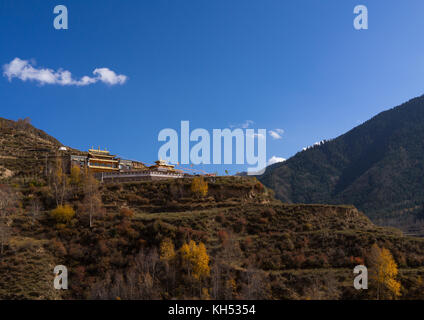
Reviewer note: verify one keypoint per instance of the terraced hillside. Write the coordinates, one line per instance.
(289, 251)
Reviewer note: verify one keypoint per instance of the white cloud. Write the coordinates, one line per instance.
(276, 134)
(108, 76)
(24, 70)
(275, 159)
(246, 124)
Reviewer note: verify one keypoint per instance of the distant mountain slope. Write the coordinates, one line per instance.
(377, 166)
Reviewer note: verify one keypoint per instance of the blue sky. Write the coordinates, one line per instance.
(296, 65)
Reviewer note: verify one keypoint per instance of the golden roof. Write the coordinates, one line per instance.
(163, 163)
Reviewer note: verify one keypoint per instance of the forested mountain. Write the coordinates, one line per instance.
(377, 166)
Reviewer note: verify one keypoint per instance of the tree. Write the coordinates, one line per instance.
(23, 123)
(384, 271)
(255, 286)
(196, 259)
(92, 200)
(59, 182)
(7, 203)
(63, 214)
(167, 250)
(75, 176)
(7, 200)
(35, 209)
(199, 186)
(218, 279)
(167, 255)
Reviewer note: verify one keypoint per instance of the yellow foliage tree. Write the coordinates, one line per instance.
(196, 258)
(167, 250)
(384, 271)
(59, 182)
(199, 186)
(75, 177)
(63, 214)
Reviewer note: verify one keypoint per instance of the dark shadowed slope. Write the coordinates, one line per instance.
(377, 166)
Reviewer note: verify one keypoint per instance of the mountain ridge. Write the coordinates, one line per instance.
(377, 166)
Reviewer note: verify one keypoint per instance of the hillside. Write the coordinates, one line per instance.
(378, 167)
(24, 149)
(255, 247)
(287, 251)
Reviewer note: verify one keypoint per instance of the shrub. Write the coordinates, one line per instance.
(220, 218)
(63, 214)
(223, 236)
(259, 186)
(58, 248)
(268, 213)
(308, 227)
(126, 213)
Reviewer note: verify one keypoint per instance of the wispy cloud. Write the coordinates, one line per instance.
(276, 133)
(275, 159)
(246, 124)
(25, 71)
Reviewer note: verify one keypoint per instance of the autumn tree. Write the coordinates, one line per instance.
(196, 259)
(383, 270)
(167, 255)
(167, 250)
(75, 176)
(59, 182)
(63, 214)
(92, 203)
(199, 186)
